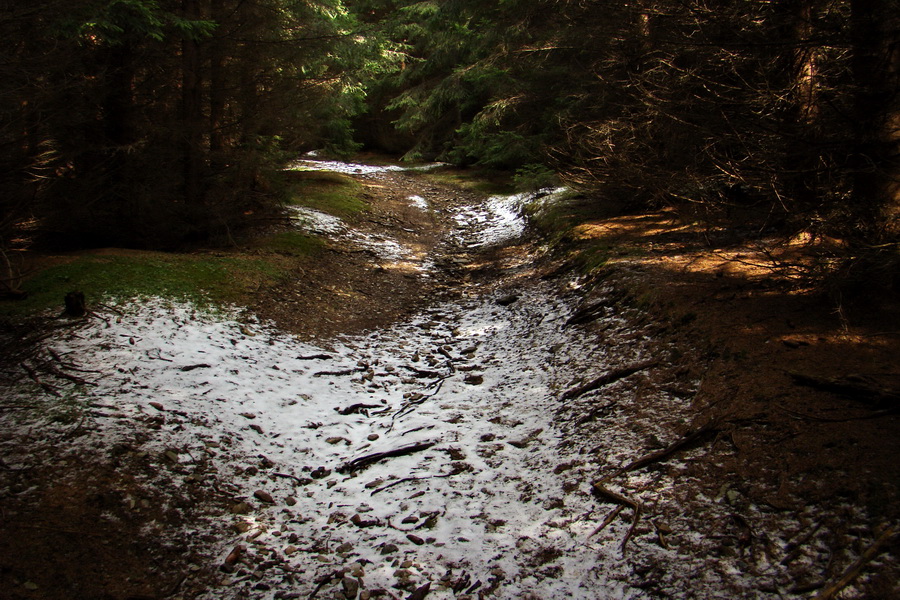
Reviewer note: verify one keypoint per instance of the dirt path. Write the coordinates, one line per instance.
(445, 446)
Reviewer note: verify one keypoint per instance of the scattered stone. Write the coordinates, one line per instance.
(263, 496)
(320, 473)
(242, 508)
(488, 437)
(362, 523)
(388, 549)
(251, 471)
(374, 484)
(234, 555)
(344, 548)
(172, 455)
(290, 501)
(290, 550)
(507, 300)
(410, 520)
(420, 593)
(351, 587)
(157, 406)
(257, 429)
(336, 440)
(415, 539)
(248, 415)
(372, 437)
(473, 379)
(242, 527)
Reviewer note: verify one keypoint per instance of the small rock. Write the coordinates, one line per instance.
(488, 437)
(30, 586)
(234, 555)
(320, 473)
(263, 496)
(242, 527)
(420, 593)
(290, 501)
(507, 300)
(257, 429)
(336, 440)
(360, 522)
(290, 550)
(388, 549)
(473, 379)
(156, 405)
(415, 539)
(241, 508)
(344, 548)
(248, 415)
(372, 437)
(351, 587)
(410, 520)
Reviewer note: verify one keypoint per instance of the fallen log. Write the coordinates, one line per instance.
(856, 387)
(370, 459)
(607, 378)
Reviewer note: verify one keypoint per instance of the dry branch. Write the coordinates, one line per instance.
(369, 459)
(659, 455)
(607, 378)
(858, 565)
(857, 387)
(621, 500)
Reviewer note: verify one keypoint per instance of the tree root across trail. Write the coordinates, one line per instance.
(465, 446)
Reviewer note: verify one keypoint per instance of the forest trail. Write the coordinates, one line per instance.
(467, 437)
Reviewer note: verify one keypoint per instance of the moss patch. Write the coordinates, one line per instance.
(328, 192)
(119, 275)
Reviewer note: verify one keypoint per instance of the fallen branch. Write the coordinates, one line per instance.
(607, 378)
(46, 386)
(339, 373)
(623, 501)
(858, 565)
(857, 387)
(364, 461)
(664, 453)
(408, 479)
(609, 519)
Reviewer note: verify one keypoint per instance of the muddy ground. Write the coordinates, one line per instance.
(824, 462)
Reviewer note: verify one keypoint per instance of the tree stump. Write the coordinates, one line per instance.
(75, 306)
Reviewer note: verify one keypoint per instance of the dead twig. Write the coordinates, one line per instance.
(45, 386)
(369, 459)
(659, 455)
(609, 519)
(607, 378)
(853, 571)
(635, 506)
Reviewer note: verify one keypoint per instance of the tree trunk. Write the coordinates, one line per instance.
(192, 109)
(876, 169)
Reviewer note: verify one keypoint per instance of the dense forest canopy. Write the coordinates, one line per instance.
(155, 122)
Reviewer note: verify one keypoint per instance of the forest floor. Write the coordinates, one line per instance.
(439, 406)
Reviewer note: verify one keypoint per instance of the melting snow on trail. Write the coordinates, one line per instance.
(468, 389)
(498, 220)
(381, 246)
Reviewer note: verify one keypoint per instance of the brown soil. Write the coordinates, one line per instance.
(738, 326)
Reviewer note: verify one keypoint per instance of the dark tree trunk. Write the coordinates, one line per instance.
(192, 110)
(876, 186)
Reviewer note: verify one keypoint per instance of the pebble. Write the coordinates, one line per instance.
(263, 496)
